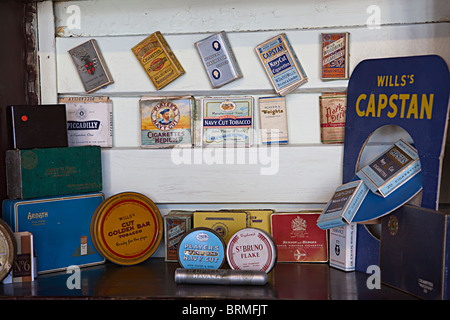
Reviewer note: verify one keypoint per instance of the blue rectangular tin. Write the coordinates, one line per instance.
(391, 169)
(60, 227)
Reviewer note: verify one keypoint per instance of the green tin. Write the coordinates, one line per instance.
(53, 171)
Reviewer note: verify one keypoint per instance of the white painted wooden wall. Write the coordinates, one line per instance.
(306, 172)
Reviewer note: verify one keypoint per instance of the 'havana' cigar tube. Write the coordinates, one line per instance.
(220, 276)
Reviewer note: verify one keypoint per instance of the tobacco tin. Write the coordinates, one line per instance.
(335, 56)
(127, 228)
(333, 108)
(158, 60)
(176, 224)
(391, 169)
(218, 59)
(8, 249)
(91, 66)
(298, 238)
(251, 249)
(281, 64)
(201, 248)
(273, 120)
(166, 121)
(227, 121)
(89, 121)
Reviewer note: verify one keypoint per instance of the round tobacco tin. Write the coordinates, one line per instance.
(251, 249)
(201, 248)
(8, 249)
(127, 228)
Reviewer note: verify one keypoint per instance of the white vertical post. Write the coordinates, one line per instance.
(46, 52)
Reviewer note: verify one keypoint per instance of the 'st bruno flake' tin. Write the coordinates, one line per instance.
(201, 248)
(251, 249)
(127, 228)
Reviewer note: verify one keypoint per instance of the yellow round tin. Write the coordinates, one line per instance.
(127, 228)
(8, 249)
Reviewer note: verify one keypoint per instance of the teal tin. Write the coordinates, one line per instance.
(47, 172)
(60, 228)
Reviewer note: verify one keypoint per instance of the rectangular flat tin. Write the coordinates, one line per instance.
(335, 56)
(91, 66)
(89, 121)
(281, 64)
(53, 171)
(227, 121)
(298, 238)
(158, 60)
(176, 225)
(391, 169)
(60, 228)
(166, 121)
(36, 126)
(218, 59)
(344, 204)
(333, 109)
(225, 223)
(273, 120)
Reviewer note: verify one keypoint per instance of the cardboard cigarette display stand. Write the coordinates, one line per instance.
(409, 92)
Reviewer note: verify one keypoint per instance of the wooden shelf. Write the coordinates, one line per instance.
(154, 279)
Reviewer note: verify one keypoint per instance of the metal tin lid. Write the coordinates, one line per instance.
(201, 248)
(127, 228)
(251, 249)
(8, 249)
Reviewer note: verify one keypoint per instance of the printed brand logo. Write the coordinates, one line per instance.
(426, 286)
(227, 106)
(273, 51)
(279, 64)
(393, 225)
(216, 45)
(88, 65)
(83, 125)
(37, 215)
(216, 74)
(165, 116)
(202, 237)
(298, 224)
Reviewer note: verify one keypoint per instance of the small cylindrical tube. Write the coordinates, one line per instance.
(220, 276)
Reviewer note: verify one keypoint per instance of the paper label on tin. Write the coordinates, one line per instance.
(166, 123)
(333, 107)
(218, 60)
(391, 169)
(298, 238)
(227, 121)
(90, 66)
(272, 113)
(334, 55)
(89, 121)
(281, 64)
